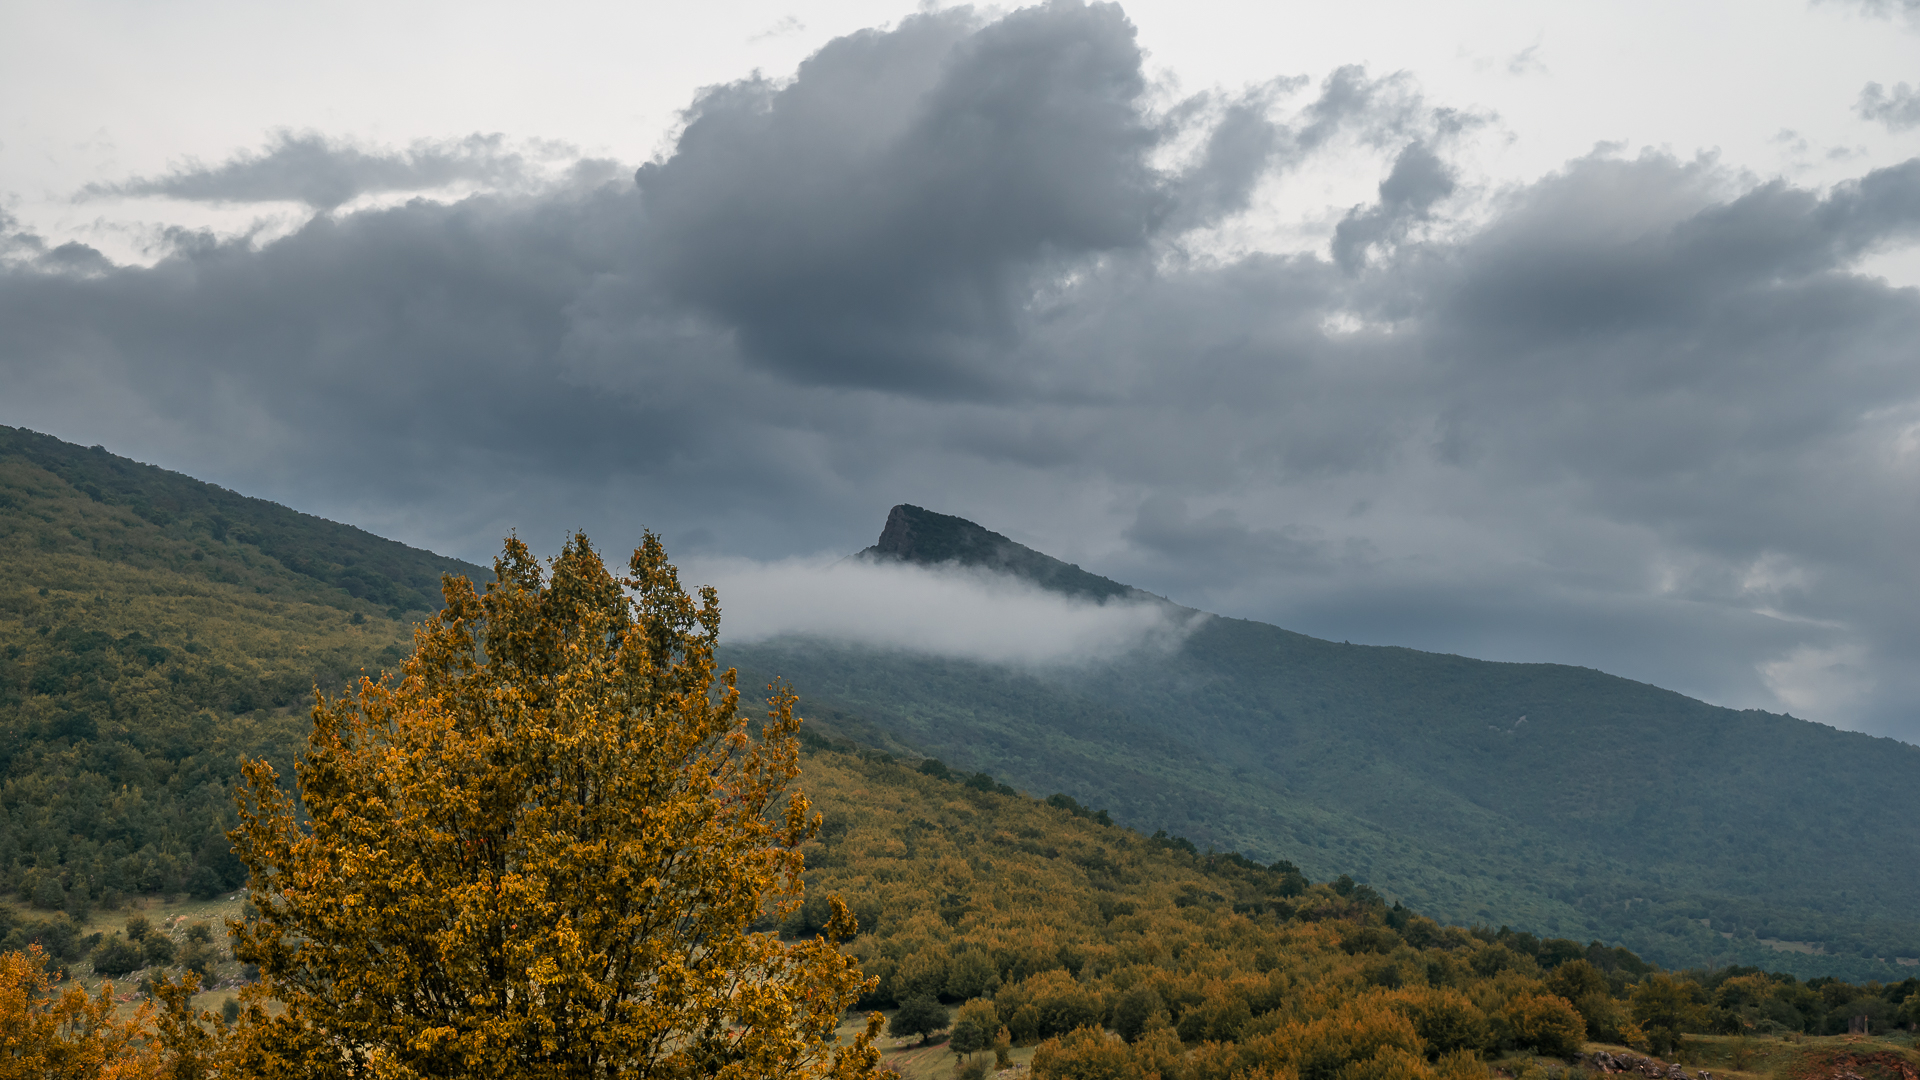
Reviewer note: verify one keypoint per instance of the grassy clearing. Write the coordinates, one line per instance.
(170, 917)
(1787, 1057)
(916, 1061)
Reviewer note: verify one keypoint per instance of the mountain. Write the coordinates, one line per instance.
(154, 629)
(916, 535)
(1557, 799)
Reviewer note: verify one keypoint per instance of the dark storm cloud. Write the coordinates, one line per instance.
(324, 173)
(1899, 110)
(1643, 415)
(877, 221)
(885, 219)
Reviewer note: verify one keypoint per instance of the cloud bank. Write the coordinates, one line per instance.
(308, 167)
(1643, 413)
(944, 611)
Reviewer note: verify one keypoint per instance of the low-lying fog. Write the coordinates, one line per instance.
(947, 611)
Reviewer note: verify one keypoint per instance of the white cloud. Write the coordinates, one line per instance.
(945, 611)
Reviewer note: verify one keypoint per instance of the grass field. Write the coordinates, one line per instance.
(171, 917)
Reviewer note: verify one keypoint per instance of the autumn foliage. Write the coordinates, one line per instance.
(67, 1036)
(536, 852)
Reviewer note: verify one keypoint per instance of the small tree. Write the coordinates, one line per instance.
(1665, 1008)
(920, 1016)
(1547, 1024)
(973, 1027)
(537, 850)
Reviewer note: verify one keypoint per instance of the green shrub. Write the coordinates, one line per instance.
(117, 957)
(158, 949)
(50, 894)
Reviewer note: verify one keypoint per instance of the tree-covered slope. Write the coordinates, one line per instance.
(381, 572)
(1556, 798)
(154, 630)
(967, 891)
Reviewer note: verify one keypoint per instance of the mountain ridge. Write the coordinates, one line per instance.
(1618, 809)
(367, 567)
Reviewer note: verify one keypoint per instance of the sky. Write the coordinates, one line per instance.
(1573, 332)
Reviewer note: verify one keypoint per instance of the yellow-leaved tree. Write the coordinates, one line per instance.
(536, 852)
(46, 1035)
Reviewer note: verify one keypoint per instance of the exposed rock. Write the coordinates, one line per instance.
(1652, 1068)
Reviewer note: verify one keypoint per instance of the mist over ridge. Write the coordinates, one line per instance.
(941, 610)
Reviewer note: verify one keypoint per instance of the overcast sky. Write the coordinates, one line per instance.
(1581, 332)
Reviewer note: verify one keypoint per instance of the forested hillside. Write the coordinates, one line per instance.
(153, 631)
(1555, 798)
(1046, 919)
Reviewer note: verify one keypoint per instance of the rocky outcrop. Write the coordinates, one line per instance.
(916, 535)
(1652, 1068)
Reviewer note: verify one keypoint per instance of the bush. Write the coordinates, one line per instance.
(59, 937)
(1050, 1003)
(1364, 1038)
(199, 957)
(1548, 1024)
(1086, 1053)
(1219, 1017)
(137, 927)
(117, 957)
(1446, 1020)
(158, 949)
(1663, 1008)
(1370, 939)
(49, 894)
(922, 974)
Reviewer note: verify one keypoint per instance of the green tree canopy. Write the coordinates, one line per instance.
(921, 1015)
